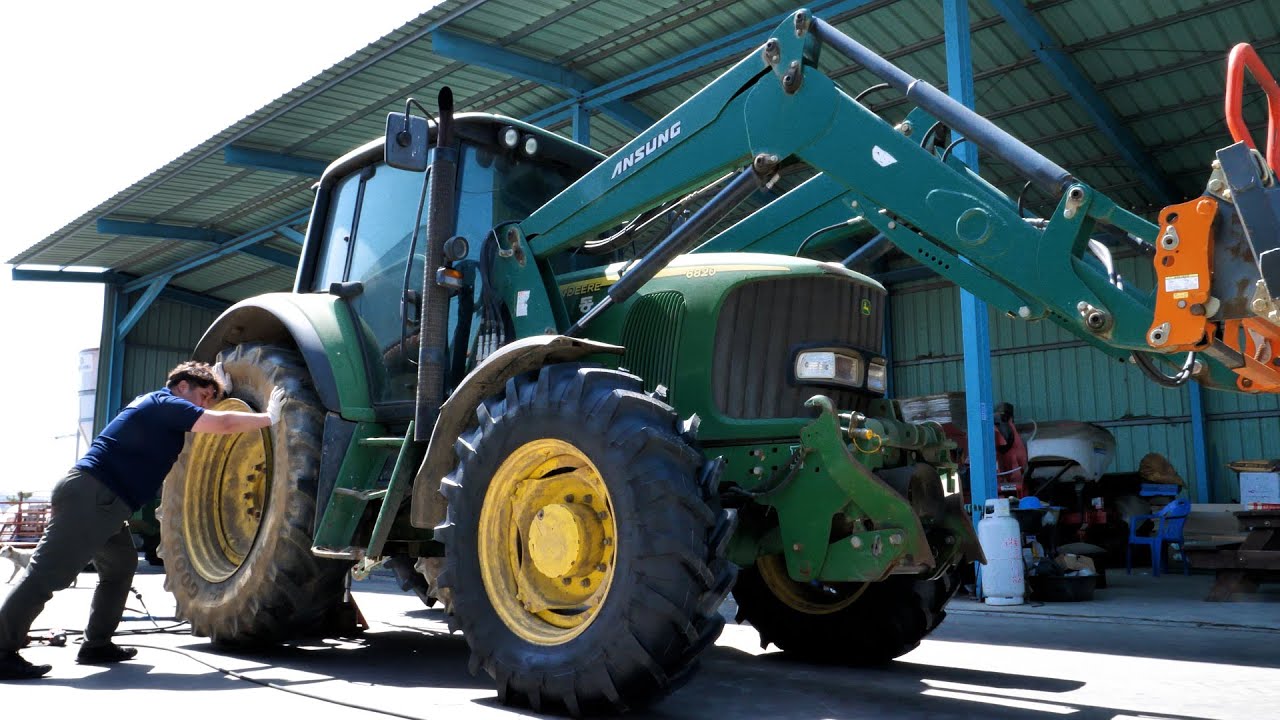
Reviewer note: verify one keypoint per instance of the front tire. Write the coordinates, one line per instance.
(584, 557)
(237, 512)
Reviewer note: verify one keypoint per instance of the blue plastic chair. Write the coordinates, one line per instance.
(1169, 522)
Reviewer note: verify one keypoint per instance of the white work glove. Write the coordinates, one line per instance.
(276, 404)
(221, 373)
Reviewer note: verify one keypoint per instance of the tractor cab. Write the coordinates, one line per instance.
(367, 239)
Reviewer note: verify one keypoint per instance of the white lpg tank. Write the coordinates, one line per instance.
(1003, 582)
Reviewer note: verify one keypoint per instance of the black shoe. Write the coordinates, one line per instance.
(14, 667)
(104, 654)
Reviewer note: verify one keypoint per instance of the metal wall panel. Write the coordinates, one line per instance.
(1050, 375)
(164, 336)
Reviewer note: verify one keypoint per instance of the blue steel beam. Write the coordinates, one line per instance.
(458, 48)
(973, 312)
(1199, 448)
(140, 307)
(266, 160)
(1023, 22)
(108, 226)
(235, 245)
(111, 277)
(727, 48)
(290, 234)
(107, 277)
(581, 125)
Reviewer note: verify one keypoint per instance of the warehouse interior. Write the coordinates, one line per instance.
(1128, 96)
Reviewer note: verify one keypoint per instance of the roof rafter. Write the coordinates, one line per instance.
(697, 59)
(456, 47)
(266, 160)
(109, 226)
(237, 244)
(1025, 24)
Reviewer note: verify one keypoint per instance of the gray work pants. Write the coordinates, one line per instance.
(87, 522)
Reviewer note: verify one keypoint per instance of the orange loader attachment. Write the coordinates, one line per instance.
(1190, 312)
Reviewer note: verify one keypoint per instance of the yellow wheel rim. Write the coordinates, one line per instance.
(806, 597)
(227, 486)
(546, 540)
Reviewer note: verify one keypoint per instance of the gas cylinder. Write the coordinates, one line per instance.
(1002, 577)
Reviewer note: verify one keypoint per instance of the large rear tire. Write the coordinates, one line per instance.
(237, 512)
(842, 623)
(583, 551)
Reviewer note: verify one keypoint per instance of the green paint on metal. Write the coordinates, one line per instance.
(407, 458)
(353, 489)
(336, 329)
(830, 481)
(518, 278)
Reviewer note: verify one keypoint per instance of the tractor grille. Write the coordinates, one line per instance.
(762, 325)
(651, 335)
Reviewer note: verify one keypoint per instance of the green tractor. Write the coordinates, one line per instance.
(579, 454)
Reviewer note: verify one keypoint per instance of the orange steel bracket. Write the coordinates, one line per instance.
(1184, 267)
(1258, 340)
(1244, 56)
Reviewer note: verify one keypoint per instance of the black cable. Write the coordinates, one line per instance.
(1020, 196)
(954, 143)
(874, 88)
(1170, 381)
(274, 686)
(818, 232)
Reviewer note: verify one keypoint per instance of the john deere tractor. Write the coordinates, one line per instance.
(579, 442)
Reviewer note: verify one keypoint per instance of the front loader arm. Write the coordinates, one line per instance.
(776, 105)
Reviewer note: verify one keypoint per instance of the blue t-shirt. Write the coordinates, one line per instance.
(133, 454)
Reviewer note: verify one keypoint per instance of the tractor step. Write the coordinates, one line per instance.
(382, 442)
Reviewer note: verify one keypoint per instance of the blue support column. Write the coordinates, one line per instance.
(888, 346)
(973, 312)
(114, 357)
(581, 125)
(1199, 448)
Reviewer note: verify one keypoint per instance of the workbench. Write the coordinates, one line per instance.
(1241, 567)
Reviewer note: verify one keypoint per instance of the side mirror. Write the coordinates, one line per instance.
(407, 139)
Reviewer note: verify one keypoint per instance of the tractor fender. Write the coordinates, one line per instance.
(277, 319)
(458, 412)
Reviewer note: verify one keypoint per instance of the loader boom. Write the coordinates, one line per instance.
(775, 106)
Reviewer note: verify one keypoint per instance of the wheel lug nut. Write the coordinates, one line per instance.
(568, 498)
(586, 499)
(567, 581)
(600, 567)
(586, 582)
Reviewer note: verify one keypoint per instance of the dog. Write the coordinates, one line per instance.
(20, 558)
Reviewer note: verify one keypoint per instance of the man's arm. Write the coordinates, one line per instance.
(227, 422)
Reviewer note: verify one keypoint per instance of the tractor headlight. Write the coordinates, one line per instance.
(876, 373)
(828, 367)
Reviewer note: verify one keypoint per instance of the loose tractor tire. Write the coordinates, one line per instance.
(237, 510)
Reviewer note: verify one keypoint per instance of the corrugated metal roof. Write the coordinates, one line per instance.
(1158, 64)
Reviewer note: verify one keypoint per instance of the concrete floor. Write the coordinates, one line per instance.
(1145, 648)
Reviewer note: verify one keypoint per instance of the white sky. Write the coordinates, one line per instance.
(93, 97)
